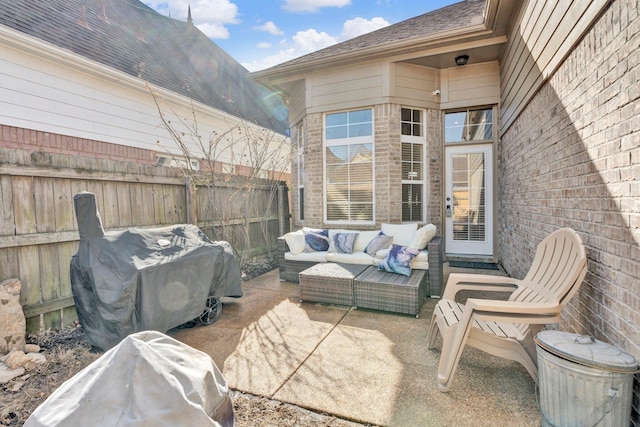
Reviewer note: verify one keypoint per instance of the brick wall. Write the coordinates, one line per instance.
(572, 159)
(32, 140)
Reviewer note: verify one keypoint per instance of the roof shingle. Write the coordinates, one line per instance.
(131, 37)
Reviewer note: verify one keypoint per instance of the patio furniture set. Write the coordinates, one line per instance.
(353, 277)
(364, 286)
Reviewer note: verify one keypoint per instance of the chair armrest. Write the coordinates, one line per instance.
(514, 311)
(478, 282)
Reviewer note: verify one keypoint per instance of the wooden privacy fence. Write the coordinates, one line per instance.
(38, 228)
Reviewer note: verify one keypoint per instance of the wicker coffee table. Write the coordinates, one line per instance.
(329, 282)
(390, 292)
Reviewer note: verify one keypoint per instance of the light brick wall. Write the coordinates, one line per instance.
(572, 159)
(388, 194)
(32, 140)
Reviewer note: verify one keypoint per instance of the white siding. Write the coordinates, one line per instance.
(545, 34)
(297, 101)
(346, 88)
(52, 90)
(471, 85)
(414, 86)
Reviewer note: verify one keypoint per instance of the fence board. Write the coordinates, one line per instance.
(29, 275)
(23, 205)
(63, 205)
(109, 213)
(7, 226)
(50, 283)
(158, 204)
(44, 205)
(9, 263)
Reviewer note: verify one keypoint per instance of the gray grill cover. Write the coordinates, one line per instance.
(144, 279)
(148, 379)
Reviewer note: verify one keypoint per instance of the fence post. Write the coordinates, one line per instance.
(192, 213)
(281, 214)
(283, 211)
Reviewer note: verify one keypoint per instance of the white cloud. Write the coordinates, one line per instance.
(264, 45)
(312, 6)
(210, 16)
(358, 26)
(303, 42)
(270, 28)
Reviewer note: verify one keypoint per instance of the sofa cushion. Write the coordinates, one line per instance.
(343, 243)
(381, 241)
(398, 260)
(295, 241)
(402, 233)
(354, 258)
(307, 256)
(316, 240)
(422, 236)
(364, 238)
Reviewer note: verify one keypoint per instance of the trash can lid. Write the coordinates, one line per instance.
(586, 350)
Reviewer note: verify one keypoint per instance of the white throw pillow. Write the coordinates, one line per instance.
(295, 241)
(402, 233)
(422, 236)
(364, 238)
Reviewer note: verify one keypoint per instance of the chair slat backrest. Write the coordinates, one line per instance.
(558, 268)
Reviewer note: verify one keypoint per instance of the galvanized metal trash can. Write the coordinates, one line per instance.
(583, 381)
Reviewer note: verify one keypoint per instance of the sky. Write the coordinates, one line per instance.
(263, 33)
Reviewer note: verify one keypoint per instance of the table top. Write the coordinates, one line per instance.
(372, 274)
(332, 269)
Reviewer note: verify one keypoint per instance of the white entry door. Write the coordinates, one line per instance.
(469, 199)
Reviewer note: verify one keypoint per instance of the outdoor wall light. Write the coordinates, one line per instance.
(462, 60)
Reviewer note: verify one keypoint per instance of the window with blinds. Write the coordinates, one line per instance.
(413, 160)
(349, 186)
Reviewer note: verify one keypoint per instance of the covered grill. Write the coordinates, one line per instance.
(146, 279)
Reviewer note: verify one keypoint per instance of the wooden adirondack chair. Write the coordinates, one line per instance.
(507, 328)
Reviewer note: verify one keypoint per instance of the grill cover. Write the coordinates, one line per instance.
(144, 279)
(148, 379)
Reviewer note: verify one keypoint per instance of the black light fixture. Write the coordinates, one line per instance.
(462, 60)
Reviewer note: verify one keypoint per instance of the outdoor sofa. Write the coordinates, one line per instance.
(297, 253)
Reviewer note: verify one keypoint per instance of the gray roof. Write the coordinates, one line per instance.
(131, 37)
(448, 18)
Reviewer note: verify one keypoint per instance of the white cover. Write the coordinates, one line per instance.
(364, 238)
(148, 379)
(307, 256)
(354, 258)
(402, 233)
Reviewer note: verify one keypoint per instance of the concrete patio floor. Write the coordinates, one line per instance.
(362, 365)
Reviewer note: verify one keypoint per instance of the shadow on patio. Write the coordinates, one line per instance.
(362, 365)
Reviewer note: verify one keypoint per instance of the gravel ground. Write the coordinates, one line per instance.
(68, 352)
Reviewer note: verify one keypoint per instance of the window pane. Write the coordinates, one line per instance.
(335, 119)
(363, 129)
(412, 202)
(360, 116)
(336, 132)
(454, 126)
(337, 154)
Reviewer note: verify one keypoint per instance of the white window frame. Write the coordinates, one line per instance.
(420, 140)
(369, 139)
(301, 170)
